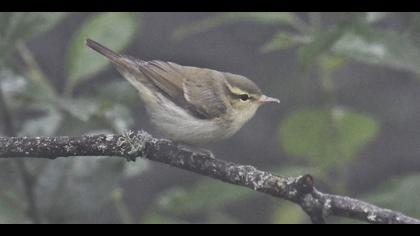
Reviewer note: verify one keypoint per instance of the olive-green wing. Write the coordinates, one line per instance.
(197, 90)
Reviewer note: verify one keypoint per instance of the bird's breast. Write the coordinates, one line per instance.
(179, 125)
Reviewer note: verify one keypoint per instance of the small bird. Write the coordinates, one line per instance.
(188, 104)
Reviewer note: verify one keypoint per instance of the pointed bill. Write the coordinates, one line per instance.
(265, 99)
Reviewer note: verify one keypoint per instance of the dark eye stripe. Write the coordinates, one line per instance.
(244, 97)
(240, 96)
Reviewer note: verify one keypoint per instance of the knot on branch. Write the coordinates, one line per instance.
(305, 184)
(133, 143)
(309, 201)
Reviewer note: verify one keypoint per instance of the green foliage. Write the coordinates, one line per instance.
(68, 191)
(353, 37)
(282, 40)
(41, 22)
(17, 26)
(378, 47)
(116, 30)
(400, 193)
(356, 40)
(320, 44)
(331, 63)
(274, 18)
(79, 190)
(326, 138)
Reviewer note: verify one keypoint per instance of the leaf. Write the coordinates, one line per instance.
(326, 137)
(377, 47)
(115, 30)
(41, 22)
(400, 193)
(24, 25)
(234, 17)
(330, 63)
(321, 43)
(201, 197)
(18, 26)
(280, 41)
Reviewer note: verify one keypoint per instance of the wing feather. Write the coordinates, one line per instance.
(190, 87)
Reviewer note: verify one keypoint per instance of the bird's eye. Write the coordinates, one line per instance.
(244, 97)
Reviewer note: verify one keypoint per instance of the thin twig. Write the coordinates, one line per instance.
(28, 180)
(8, 125)
(34, 71)
(299, 190)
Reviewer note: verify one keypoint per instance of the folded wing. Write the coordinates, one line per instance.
(192, 88)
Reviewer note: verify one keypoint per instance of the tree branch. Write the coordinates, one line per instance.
(299, 190)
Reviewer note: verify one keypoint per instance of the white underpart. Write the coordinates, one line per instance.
(179, 125)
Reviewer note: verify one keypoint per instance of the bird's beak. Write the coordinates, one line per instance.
(265, 99)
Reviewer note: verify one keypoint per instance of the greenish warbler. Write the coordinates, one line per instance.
(189, 104)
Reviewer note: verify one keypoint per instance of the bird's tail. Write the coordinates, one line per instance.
(128, 67)
(114, 57)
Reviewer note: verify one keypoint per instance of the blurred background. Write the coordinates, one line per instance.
(349, 87)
